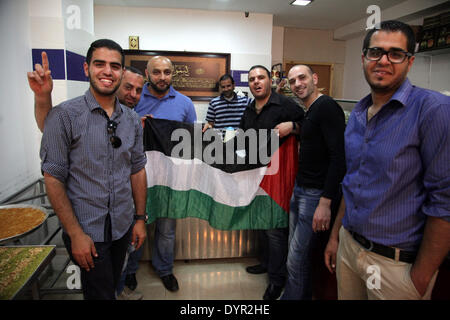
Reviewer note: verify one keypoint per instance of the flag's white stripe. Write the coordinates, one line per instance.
(233, 189)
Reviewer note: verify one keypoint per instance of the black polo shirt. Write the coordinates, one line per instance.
(277, 110)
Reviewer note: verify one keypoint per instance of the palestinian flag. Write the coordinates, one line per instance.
(195, 174)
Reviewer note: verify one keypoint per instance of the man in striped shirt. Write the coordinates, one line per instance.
(226, 110)
(129, 94)
(94, 169)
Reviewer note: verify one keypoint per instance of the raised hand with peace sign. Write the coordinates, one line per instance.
(40, 81)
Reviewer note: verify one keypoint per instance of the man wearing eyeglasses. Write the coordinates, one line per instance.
(395, 211)
(94, 168)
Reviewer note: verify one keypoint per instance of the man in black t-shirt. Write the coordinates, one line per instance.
(321, 169)
(270, 110)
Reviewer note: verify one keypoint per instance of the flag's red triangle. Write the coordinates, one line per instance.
(284, 162)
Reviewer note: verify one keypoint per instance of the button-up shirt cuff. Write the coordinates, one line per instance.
(56, 171)
(139, 166)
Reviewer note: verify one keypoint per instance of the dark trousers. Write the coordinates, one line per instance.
(101, 281)
(273, 254)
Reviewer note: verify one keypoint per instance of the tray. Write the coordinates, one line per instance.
(8, 239)
(26, 274)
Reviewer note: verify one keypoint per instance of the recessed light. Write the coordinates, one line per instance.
(301, 2)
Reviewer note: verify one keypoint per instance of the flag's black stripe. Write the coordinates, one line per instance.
(158, 133)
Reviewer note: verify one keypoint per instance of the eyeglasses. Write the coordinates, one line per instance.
(111, 127)
(394, 56)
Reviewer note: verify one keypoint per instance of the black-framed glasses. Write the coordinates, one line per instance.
(111, 127)
(394, 56)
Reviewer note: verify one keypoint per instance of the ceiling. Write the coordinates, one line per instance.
(320, 14)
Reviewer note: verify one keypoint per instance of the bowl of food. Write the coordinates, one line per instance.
(18, 220)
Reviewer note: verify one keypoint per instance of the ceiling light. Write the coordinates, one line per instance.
(301, 2)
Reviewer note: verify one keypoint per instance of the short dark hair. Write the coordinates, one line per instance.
(134, 70)
(307, 67)
(262, 67)
(225, 77)
(393, 26)
(104, 43)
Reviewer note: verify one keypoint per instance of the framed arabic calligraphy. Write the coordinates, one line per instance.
(195, 74)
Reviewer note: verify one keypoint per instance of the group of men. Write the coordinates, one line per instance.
(392, 164)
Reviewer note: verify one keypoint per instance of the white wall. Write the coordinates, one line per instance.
(277, 44)
(248, 40)
(189, 30)
(77, 40)
(316, 46)
(20, 138)
(355, 86)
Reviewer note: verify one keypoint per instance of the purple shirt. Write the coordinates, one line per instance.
(398, 167)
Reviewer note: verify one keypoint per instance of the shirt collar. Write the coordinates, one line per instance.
(93, 104)
(273, 100)
(401, 96)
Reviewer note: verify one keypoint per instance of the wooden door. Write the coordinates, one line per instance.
(324, 72)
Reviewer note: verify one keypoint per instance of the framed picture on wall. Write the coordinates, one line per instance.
(196, 74)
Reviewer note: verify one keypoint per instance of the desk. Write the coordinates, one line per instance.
(20, 266)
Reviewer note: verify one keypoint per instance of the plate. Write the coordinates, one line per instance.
(8, 239)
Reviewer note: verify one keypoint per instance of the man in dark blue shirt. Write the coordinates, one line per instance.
(395, 211)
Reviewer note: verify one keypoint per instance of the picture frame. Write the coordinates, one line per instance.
(196, 74)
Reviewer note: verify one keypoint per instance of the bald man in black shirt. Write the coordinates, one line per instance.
(321, 169)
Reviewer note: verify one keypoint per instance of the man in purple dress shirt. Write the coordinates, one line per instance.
(392, 231)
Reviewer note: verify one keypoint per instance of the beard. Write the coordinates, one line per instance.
(158, 89)
(103, 92)
(378, 87)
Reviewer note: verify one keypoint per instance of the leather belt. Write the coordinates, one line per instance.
(389, 252)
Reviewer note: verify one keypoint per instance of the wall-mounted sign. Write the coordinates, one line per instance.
(195, 74)
(133, 42)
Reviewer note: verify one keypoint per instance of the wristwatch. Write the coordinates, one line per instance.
(141, 217)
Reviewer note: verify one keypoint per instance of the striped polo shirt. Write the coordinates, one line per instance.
(76, 150)
(226, 113)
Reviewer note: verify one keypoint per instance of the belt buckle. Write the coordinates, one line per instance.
(370, 245)
(366, 243)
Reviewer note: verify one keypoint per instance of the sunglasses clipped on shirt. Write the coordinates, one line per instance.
(111, 127)
(394, 56)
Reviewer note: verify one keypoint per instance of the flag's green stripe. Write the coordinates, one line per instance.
(261, 213)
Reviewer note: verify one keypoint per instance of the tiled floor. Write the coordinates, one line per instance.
(213, 279)
(210, 279)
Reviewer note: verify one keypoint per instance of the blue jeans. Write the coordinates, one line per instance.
(131, 265)
(164, 246)
(302, 240)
